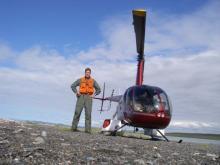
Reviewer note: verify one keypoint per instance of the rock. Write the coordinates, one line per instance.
(128, 151)
(139, 162)
(157, 155)
(30, 156)
(67, 162)
(105, 159)
(34, 134)
(44, 133)
(18, 131)
(125, 146)
(175, 154)
(193, 160)
(155, 148)
(16, 160)
(196, 153)
(4, 142)
(118, 160)
(39, 140)
(37, 154)
(65, 144)
(90, 160)
(213, 156)
(149, 162)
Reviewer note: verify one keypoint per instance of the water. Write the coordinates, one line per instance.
(194, 140)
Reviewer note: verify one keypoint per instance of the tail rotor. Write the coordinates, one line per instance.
(103, 98)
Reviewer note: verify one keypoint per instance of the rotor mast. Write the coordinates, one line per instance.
(139, 21)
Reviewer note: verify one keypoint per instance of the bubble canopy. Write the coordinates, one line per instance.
(148, 99)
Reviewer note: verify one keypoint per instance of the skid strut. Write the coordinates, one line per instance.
(114, 132)
(163, 135)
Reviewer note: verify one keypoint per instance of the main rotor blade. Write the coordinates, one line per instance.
(139, 20)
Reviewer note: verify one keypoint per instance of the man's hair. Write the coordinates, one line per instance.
(88, 69)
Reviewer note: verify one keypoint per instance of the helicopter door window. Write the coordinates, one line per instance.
(129, 98)
(156, 102)
(164, 101)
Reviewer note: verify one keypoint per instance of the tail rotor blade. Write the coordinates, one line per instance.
(103, 96)
(110, 103)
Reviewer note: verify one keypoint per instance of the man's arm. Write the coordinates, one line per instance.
(97, 88)
(74, 85)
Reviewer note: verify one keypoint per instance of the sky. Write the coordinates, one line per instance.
(46, 45)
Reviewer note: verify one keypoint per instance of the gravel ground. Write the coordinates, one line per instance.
(26, 143)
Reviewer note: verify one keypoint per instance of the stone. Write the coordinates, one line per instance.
(196, 153)
(175, 154)
(157, 155)
(65, 144)
(128, 151)
(149, 162)
(39, 140)
(213, 156)
(34, 134)
(4, 142)
(16, 160)
(44, 133)
(18, 131)
(139, 162)
(38, 154)
(90, 160)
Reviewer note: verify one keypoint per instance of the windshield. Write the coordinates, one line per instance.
(149, 100)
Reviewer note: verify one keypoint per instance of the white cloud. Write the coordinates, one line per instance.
(38, 86)
(192, 124)
(186, 33)
(5, 52)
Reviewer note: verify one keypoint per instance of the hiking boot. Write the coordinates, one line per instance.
(89, 132)
(75, 130)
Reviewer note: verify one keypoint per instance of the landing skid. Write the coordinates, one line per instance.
(162, 135)
(153, 138)
(180, 141)
(115, 131)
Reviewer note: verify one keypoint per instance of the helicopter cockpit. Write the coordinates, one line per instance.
(148, 99)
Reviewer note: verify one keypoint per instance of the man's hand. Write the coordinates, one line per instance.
(77, 93)
(93, 95)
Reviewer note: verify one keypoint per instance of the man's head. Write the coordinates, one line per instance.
(87, 72)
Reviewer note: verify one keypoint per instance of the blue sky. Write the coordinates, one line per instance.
(45, 46)
(59, 23)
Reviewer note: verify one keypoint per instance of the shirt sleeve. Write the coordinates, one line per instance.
(97, 88)
(74, 85)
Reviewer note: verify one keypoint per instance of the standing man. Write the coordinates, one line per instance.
(84, 99)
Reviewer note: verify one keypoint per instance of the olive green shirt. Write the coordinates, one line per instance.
(95, 85)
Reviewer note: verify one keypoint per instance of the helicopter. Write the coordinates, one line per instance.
(141, 106)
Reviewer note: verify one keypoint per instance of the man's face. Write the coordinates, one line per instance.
(87, 74)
